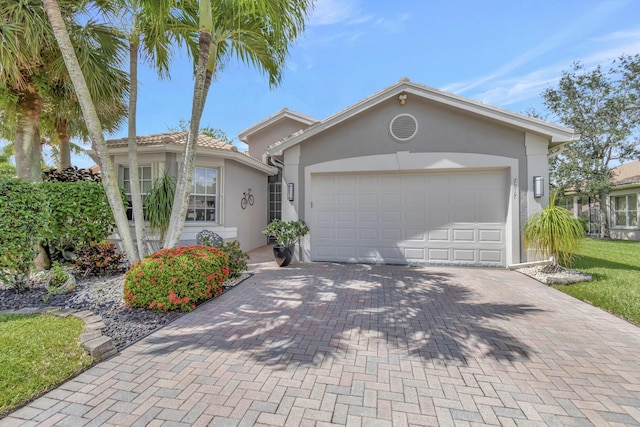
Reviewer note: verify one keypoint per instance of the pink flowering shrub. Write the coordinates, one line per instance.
(177, 278)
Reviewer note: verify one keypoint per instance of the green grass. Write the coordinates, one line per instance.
(615, 267)
(37, 352)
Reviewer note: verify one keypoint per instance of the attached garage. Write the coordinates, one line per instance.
(414, 175)
(410, 217)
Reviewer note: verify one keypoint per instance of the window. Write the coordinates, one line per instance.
(203, 199)
(625, 210)
(144, 175)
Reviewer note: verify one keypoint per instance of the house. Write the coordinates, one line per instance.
(623, 204)
(410, 174)
(222, 178)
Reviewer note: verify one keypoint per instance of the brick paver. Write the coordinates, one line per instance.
(331, 344)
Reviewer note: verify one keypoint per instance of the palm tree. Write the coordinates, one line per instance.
(37, 92)
(24, 35)
(152, 27)
(94, 126)
(257, 32)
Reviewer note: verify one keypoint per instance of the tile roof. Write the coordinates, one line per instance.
(627, 174)
(174, 138)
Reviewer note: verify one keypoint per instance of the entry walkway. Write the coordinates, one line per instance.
(322, 343)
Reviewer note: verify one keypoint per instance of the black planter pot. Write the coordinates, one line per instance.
(283, 255)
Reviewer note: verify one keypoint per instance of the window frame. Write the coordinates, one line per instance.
(194, 210)
(141, 181)
(628, 213)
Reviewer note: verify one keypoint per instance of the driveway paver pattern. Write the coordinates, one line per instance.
(376, 345)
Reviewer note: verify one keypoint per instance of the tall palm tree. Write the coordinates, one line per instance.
(256, 32)
(94, 126)
(152, 27)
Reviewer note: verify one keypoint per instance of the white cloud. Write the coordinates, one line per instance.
(330, 12)
(504, 87)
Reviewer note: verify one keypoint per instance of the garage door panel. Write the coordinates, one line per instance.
(492, 236)
(414, 235)
(464, 255)
(366, 216)
(420, 217)
(464, 235)
(366, 200)
(439, 235)
(345, 200)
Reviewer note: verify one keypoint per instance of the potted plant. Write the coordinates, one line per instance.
(286, 235)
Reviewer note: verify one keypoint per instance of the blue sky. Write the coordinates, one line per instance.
(503, 53)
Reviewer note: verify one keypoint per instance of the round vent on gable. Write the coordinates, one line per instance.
(403, 127)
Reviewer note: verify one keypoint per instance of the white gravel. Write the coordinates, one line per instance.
(563, 277)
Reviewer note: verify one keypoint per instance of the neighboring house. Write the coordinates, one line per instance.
(623, 204)
(411, 174)
(222, 176)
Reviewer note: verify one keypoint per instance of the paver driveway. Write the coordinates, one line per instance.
(322, 343)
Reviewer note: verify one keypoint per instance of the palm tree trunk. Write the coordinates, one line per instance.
(136, 198)
(27, 150)
(185, 174)
(64, 144)
(93, 125)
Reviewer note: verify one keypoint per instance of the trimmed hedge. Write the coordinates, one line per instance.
(24, 218)
(80, 214)
(176, 279)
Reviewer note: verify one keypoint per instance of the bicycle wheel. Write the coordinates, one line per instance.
(250, 198)
(243, 203)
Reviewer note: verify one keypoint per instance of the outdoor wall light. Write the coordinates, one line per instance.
(403, 98)
(538, 186)
(290, 191)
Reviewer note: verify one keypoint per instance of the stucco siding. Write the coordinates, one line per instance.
(440, 130)
(259, 141)
(251, 221)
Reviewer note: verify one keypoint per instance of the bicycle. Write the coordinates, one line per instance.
(246, 198)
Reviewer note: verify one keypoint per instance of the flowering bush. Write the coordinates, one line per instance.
(237, 258)
(176, 278)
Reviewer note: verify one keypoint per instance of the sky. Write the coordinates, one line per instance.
(500, 52)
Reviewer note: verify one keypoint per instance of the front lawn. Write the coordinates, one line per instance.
(615, 267)
(37, 352)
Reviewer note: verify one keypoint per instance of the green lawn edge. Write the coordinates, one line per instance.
(615, 268)
(38, 353)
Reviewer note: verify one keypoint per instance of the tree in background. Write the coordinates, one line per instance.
(34, 95)
(216, 133)
(604, 108)
(256, 32)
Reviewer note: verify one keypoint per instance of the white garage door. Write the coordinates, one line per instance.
(453, 218)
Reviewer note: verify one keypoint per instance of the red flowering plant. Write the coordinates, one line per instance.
(177, 278)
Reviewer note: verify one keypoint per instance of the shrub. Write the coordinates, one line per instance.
(176, 278)
(159, 203)
(98, 259)
(80, 213)
(237, 258)
(554, 232)
(24, 218)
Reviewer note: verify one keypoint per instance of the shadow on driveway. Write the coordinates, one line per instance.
(314, 311)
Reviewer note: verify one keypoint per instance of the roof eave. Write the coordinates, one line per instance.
(284, 113)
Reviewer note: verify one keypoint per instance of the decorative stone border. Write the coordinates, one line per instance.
(97, 345)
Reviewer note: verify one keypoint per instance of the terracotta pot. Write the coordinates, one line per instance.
(283, 255)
